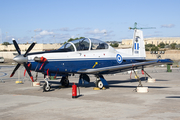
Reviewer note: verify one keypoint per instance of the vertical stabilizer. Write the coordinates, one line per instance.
(138, 48)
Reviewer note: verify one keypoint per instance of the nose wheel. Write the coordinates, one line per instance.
(46, 87)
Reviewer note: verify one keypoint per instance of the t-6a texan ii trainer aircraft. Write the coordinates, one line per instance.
(85, 56)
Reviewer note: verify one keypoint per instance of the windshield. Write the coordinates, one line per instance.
(67, 47)
(84, 44)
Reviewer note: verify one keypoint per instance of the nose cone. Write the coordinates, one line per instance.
(20, 59)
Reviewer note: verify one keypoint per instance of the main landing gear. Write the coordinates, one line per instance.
(64, 81)
(100, 82)
(83, 79)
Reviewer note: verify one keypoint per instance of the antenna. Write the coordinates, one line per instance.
(135, 27)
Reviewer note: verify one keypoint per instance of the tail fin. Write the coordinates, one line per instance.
(138, 47)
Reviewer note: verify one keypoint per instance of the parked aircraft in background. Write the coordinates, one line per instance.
(86, 56)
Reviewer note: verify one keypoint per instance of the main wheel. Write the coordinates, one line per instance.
(46, 88)
(85, 77)
(65, 81)
(99, 84)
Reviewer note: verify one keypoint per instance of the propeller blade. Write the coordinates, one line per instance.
(17, 66)
(28, 71)
(17, 47)
(29, 49)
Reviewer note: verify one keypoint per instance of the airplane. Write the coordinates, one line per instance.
(84, 57)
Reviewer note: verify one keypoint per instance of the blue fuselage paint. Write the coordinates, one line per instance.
(59, 68)
(70, 66)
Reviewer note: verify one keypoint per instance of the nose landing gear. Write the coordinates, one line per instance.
(46, 86)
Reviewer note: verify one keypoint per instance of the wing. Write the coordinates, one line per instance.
(124, 66)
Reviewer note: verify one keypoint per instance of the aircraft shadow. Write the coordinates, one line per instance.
(51, 82)
(161, 80)
(125, 86)
(79, 96)
(112, 83)
(126, 81)
(173, 97)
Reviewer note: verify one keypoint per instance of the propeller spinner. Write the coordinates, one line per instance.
(22, 59)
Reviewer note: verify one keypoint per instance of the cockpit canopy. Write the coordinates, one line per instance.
(84, 44)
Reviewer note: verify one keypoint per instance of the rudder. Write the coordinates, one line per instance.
(138, 47)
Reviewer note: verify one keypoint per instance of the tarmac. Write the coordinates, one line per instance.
(119, 102)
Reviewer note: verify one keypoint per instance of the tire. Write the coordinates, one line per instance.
(46, 88)
(100, 84)
(65, 82)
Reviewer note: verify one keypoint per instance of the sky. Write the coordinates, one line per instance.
(56, 21)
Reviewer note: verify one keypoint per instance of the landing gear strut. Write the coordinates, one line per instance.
(64, 81)
(100, 81)
(46, 86)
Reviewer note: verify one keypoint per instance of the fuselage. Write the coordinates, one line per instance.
(61, 61)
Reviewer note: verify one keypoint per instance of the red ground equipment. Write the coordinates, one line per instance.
(142, 71)
(74, 91)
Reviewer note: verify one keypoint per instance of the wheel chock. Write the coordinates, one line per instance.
(36, 84)
(104, 88)
(142, 89)
(151, 80)
(96, 88)
(19, 82)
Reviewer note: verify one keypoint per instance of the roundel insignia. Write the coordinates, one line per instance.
(119, 58)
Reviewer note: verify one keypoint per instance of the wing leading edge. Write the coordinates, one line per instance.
(124, 66)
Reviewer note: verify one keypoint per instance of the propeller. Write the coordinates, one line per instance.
(29, 49)
(22, 59)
